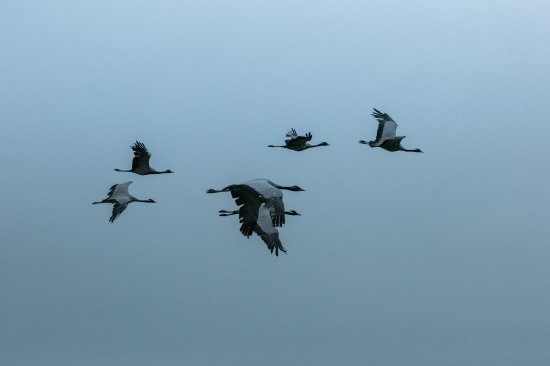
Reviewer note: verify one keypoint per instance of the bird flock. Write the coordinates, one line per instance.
(261, 208)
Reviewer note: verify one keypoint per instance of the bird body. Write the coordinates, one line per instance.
(386, 134)
(298, 143)
(120, 198)
(140, 162)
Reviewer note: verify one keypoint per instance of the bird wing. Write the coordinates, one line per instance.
(270, 194)
(118, 208)
(277, 210)
(119, 190)
(265, 230)
(249, 201)
(387, 127)
(141, 156)
(291, 133)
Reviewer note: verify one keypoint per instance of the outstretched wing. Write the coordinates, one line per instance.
(265, 230)
(141, 156)
(118, 208)
(387, 127)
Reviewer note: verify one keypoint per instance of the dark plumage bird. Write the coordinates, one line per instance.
(250, 195)
(385, 135)
(298, 143)
(263, 225)
(140, 163)
(120, 198)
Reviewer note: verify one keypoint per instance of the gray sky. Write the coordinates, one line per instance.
(439, 258)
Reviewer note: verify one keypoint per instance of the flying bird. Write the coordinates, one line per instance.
(140, 163)
(263, 226)
(298, 143)
(120, 198)
(253, 193)
(385, 135)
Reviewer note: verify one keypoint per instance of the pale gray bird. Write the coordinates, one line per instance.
(255, 192)
(140, 163)
(263, 226)
(120, 198)
(298, 143)
(385, 135)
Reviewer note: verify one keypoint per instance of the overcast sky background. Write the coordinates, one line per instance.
(439, 258)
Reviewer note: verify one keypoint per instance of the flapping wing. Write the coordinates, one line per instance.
(118, 208)
(119, 190)
(249, 201)
(291, 134)
(265, 230)
(277, 210)
(272, 196)
(387, 127)
(141, 155)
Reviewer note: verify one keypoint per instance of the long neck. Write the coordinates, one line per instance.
(277, 146)
(121, 170)
(283, 187)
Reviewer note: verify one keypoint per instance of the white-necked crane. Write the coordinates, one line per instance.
(140, 163)
(263, 226)
(385, 135)
(298, 143)
(118, 195)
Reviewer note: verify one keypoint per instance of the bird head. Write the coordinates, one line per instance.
(370, 143)
(295, 189)
(293, 213)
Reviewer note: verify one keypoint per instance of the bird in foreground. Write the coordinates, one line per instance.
(298, 143)
(140, 163)
(264, 227)
(250, 195)
(385, 135)
(120, 198)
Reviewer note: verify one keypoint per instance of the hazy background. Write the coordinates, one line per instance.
(440, 258)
